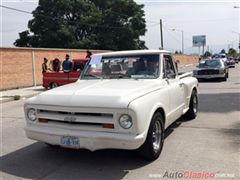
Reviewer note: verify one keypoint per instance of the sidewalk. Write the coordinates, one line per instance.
(10, 95)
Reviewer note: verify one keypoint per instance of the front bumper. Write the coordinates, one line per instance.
(88, 139)
(210, 76)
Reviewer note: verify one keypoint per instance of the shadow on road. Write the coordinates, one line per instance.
(219, 102)
(39, 161)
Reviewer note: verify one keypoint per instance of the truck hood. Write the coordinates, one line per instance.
(97, 93)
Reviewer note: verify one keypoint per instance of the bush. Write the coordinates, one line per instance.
(16, 97)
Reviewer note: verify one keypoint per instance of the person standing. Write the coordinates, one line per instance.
(89, 54)
(67, 64)
(56, 65)
(44, 65)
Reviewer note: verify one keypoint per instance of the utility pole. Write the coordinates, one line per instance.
(161, 34)
(179, 30)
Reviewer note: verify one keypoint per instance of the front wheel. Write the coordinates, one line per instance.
(193, 106)
(152, 147)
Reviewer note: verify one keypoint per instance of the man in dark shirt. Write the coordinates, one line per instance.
(67, 64)
(89, 54)
(44, 65)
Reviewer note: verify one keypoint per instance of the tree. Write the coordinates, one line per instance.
(223, 51)
(176, 52)
(232, 52)
(207, 54)
(89, 24)
(24, 40)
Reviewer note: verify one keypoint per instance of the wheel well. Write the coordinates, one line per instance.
(160, 110)
(194, 89)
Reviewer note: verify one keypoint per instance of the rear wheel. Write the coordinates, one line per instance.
(193, 106)
(153, 144)
(53, 85)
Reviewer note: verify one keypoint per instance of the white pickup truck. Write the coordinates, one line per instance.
(120, 108)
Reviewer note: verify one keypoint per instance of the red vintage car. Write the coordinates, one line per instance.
(54, 79)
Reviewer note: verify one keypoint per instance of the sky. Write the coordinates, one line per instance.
(217, 19)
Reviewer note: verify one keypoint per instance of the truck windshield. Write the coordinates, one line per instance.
(135, 67)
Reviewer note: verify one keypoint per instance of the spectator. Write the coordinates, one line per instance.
(44, 65)
(89, 54)
(56, 65)
(67, 64)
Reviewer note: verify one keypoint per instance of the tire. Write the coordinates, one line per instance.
(152, 147)
(227, 75)
(53, 85)
(193, 106)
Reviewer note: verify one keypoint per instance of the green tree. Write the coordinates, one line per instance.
(223, 51)
(232, 52)
(95, 24)
(207, 54)
(24, 40)
(176, 52)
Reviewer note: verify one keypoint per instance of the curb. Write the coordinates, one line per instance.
(4, 100)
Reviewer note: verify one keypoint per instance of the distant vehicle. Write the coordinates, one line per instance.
(220, 56)
(55, 79)
(212, 68)
(236, 60)
(230, 62)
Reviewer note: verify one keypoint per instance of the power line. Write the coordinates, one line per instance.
(86, 24)
(14, 9)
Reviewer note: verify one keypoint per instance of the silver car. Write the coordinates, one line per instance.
(212, 68)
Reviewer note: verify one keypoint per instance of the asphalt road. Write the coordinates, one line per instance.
(208, 144)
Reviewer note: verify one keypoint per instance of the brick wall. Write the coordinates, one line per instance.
(186, 59)
(16, 64)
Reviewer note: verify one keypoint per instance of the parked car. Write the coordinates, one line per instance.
(212, 68)
(55, 79)
(125, 110)
(230, 62)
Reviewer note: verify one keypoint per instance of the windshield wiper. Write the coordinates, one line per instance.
(91, 75)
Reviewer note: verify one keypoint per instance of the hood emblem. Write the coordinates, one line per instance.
(70, 119)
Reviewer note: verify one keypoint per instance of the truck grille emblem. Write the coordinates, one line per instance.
(70, 119)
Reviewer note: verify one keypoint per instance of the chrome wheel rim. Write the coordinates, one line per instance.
(156, 136)
(54, 85)
(195, 104)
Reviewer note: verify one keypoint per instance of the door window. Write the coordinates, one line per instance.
(169, 70)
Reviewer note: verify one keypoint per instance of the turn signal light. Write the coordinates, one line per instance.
(41, 120)
(109, 126)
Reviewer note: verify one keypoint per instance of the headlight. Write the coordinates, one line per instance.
(32, 115)
(221, 71)
(125, 121)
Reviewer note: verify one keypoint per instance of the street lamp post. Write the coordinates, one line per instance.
(182, 38)
(238, 39)
(237, 32)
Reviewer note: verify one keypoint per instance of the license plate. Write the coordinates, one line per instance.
(70, 142)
